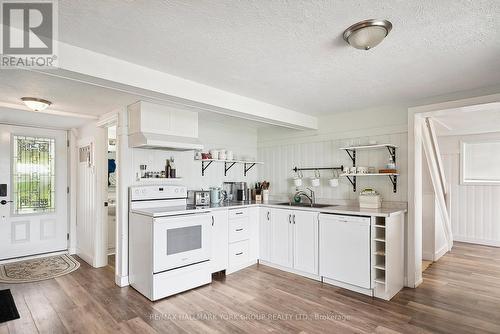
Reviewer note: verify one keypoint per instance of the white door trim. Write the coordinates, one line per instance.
(414, 233)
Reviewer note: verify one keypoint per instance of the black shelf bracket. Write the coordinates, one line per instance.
(352, 179)
(392, 152)
(394, 180)
(204, 166)
(352, 155)
(227, 166)
(247, 169)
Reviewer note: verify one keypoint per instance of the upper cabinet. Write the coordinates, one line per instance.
(162, 127)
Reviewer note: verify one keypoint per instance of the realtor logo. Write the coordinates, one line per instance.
(29, 31)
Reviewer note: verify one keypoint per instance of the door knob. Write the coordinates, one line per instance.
(3, 202)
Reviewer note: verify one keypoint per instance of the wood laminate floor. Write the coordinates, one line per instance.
(460, 294)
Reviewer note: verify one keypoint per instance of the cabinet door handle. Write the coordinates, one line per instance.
(268, 212)
(289, 219)
(239, 229)
(212, 220)
(239, 213)
(240, 253)
(293, 219)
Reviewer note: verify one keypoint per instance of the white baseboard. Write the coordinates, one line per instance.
(441, 252)
(121, 281)
(485, 242)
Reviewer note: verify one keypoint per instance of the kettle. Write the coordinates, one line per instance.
(217, 195)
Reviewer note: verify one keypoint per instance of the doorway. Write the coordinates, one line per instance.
(111, 194)
(33, 191)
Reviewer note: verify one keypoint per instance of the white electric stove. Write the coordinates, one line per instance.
(169, 241)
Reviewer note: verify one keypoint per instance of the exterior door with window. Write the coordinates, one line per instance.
(33, 195)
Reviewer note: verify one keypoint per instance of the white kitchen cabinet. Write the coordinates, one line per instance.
(219, 256)
(290, 239)
(265, 234)
(345, 250)
(305, 241)
(243, 231)
(281, 237)
(254, 227)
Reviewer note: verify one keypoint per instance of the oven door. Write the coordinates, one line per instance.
(181, 240)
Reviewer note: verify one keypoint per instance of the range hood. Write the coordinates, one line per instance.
(163, 127)
(163, 142)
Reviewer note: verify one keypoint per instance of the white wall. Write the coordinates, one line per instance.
(281, 150)
(95, 236)
(241, 140)
(475, 209)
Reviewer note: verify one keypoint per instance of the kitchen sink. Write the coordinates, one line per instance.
(306, 205)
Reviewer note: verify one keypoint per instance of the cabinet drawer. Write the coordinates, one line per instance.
(239, 253)
(239, 229)
(238, 213)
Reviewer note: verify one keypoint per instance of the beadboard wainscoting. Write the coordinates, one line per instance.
(474, 208)
(280, 158)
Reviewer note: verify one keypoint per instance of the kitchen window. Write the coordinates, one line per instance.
(33, 175)
(480, 162)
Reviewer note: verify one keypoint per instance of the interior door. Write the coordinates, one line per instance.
(305, 241)
(281, 229)
(33, 196)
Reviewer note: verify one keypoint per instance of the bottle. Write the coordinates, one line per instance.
(172, 168)
(167, 169)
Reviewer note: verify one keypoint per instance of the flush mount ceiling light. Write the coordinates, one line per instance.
(36, 104)
(367, 34)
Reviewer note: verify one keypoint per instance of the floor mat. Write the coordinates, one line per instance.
(37, 269)
(8, 309)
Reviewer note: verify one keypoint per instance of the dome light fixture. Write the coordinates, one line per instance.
(36, 104)
(367, 34)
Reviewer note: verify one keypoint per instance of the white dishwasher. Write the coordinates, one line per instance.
(345, 249)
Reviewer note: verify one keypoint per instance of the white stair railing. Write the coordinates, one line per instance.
(434, 162)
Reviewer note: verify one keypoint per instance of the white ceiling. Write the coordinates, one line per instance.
(65, 95)
(468, 121)
(290, 53)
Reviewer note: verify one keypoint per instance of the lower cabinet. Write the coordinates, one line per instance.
(281, 237)
(305, 242)
(289, 238)
(243, 232)
(219, 256)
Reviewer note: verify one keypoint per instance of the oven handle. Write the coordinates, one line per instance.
(200, 213)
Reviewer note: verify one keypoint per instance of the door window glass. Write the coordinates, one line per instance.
(33, 175)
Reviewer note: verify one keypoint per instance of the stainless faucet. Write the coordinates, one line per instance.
(311, 198)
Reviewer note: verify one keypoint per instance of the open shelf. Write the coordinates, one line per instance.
(366, 147)
(370, 174)
(351, 151)
(162, 180)
(380, 280)
(379, 239)
(228, 164)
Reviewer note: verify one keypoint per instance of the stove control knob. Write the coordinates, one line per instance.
(176, 190)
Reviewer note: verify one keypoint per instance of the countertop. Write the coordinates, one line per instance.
(334, 209)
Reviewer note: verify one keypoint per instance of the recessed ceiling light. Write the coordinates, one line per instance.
(36, 104)
(367, 34)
